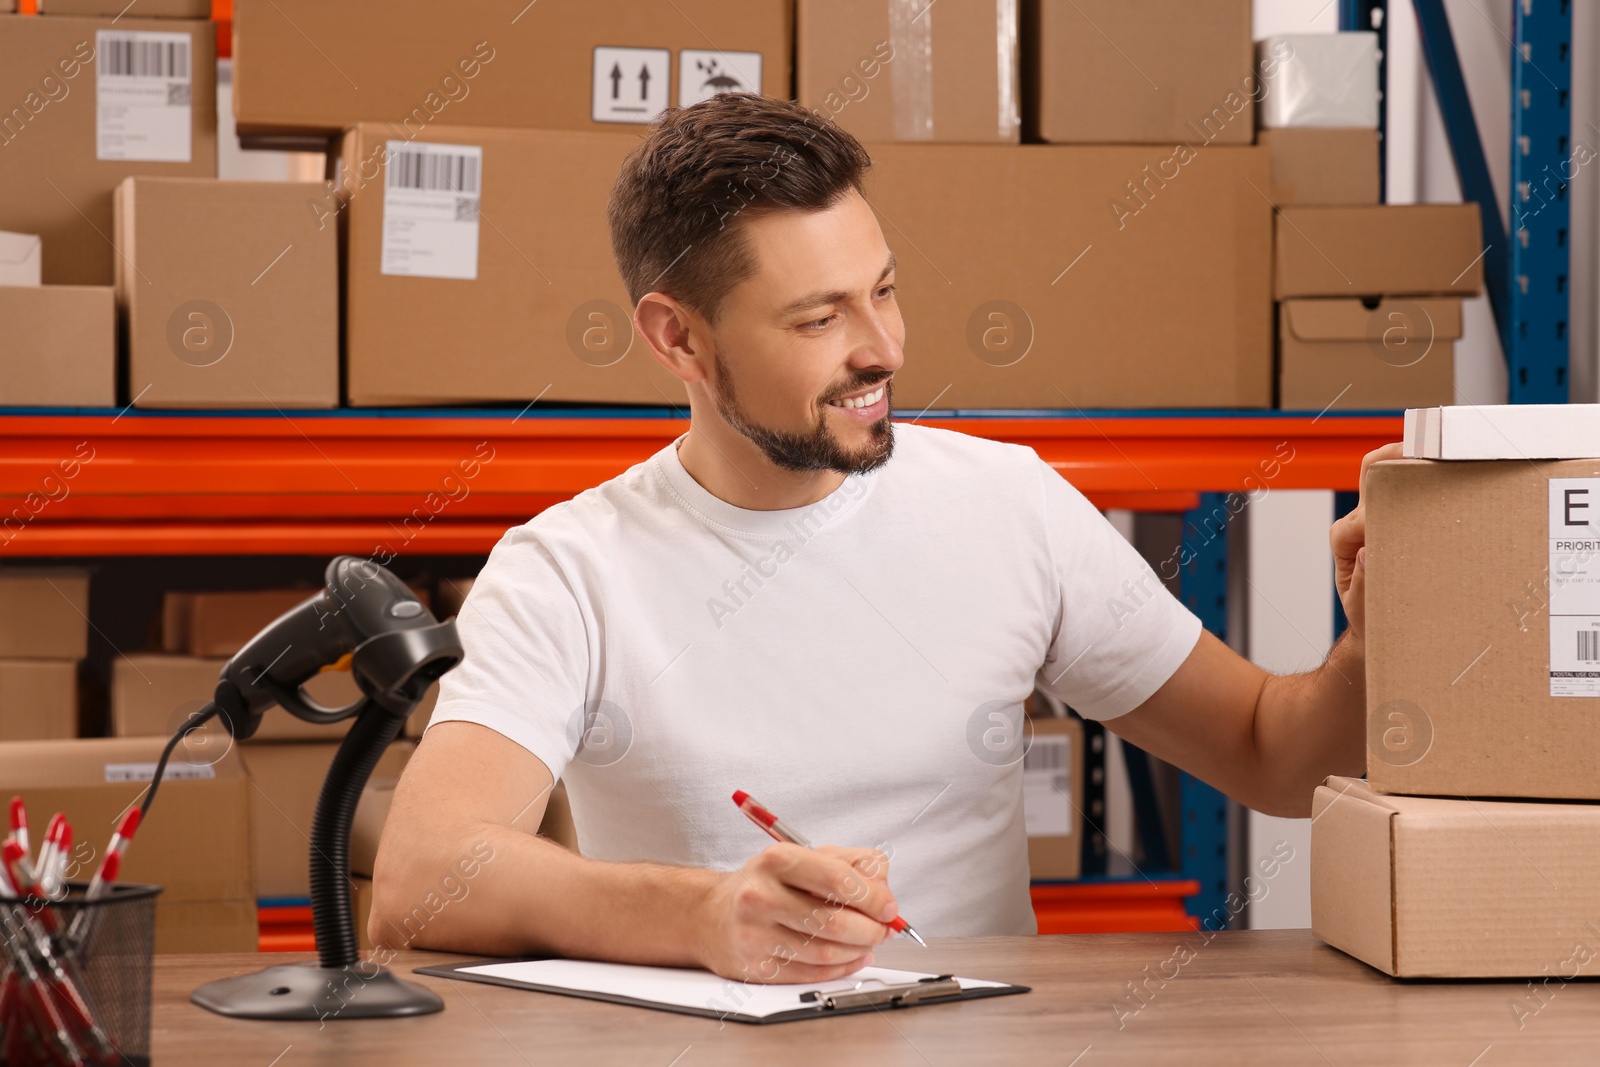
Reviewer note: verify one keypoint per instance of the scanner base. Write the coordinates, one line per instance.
(311, 993)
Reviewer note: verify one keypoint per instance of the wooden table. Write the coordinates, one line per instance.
(1250, 997)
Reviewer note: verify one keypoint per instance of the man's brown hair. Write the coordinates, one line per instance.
(675, 208)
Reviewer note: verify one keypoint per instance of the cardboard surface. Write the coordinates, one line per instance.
(1421, 887)
(165, 9)
(20, 259)
(213, 926)
(1015, 295)
(229, 292)
(38, 700)
(309, 67)
(1503, 431)
(286, 779)
(1344, 355)
(198, 843)
(60, 346)
(44, 613)
(1322, 167)
(539, 275)
(1057, 784)
(220, 623)
(887, 70)
(1384, 250)
(152, 695)
(1158, 72)
(1462, 597)
(51, 182)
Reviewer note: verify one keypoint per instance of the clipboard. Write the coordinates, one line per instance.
(704, 994)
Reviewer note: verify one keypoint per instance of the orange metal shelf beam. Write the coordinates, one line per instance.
(150, 485)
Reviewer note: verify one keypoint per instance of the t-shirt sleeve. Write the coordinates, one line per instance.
(1119, 634)
(525, 673)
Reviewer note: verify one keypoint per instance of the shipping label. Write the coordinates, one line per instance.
(1047, 786)
(144, 772)
(1575, 587)
(431, 199)
(144, 89)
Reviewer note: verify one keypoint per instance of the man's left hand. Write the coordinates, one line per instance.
(1348, 538)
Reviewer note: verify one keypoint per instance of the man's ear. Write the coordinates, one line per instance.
(675, 335)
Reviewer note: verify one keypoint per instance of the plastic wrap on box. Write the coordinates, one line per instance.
(1319, 79)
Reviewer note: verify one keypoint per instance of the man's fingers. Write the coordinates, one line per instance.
(834, 922)
(824, 875)
(1392, 450)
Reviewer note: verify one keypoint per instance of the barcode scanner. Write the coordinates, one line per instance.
(364, 620)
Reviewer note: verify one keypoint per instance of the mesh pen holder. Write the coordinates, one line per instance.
(75, 978)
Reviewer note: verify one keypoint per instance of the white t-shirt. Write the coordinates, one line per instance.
(841, 662)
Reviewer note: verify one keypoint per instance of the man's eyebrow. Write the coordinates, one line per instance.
(833, 296)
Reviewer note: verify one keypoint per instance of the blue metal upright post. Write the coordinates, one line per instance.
(1373, 15)
(1204, 833)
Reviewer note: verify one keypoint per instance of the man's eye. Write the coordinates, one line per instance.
(817, 324)
(887, 289)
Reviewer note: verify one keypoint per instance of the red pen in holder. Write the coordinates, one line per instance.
(77, 1002)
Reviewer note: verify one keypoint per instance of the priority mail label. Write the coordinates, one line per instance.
(630, 84)
(1575, 587)
(1046, 787)
(431, 198)
(144, 88)
(703, 74)
(144, 772)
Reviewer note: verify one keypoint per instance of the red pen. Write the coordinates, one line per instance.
(782, 831)
(19, 822)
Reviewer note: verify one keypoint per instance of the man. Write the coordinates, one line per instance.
(799, 599)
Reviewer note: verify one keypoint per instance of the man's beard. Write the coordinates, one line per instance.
(818, 450)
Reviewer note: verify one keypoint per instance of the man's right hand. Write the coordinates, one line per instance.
(795, 914)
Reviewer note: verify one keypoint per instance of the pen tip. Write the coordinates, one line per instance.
(915, 936)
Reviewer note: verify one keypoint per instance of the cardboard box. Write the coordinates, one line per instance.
(518, 293)
(1017, 296)
(1483, 621)
(451, 595)
(152, 695)
(287, 780)
(1322, 167)
(361, 904)
(1319, 79)
(886, 72)
(55, 178)
(1385, 250)
(44, 613)
(198, 844)
(307, 69)
(229, 292)
(148, 9)
(213, 926)
(1503, 431)
(1052, 798)
(60, 348)
(1156, 72)
(220, 623)
(38, 700)
(20, 261)
(1421, 887)
(1342, 354)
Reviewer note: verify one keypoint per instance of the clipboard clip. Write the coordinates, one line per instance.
(885, 994)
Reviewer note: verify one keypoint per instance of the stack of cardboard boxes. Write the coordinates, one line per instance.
(88, 99)
(1369, 294)
(1469, 850)
(44, 635)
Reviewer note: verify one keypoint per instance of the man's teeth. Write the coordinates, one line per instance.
(862, 402)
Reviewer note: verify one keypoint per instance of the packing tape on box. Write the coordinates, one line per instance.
(911, 37)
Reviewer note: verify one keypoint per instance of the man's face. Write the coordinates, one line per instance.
(815, 324)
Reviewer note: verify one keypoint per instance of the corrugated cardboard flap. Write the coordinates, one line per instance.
(1351, 871)
(1350, 319)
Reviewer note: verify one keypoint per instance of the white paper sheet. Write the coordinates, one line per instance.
(684, 988)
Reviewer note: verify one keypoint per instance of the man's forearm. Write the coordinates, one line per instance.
(1311, 725)
(528, 895)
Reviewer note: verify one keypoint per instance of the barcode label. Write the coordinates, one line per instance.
(132, 55)
(144, 772)
(1047, 786)
(1588, 645)
(1573, 606)
(144, 92)
(430, 210)
(435, 172)
(1046, 754)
